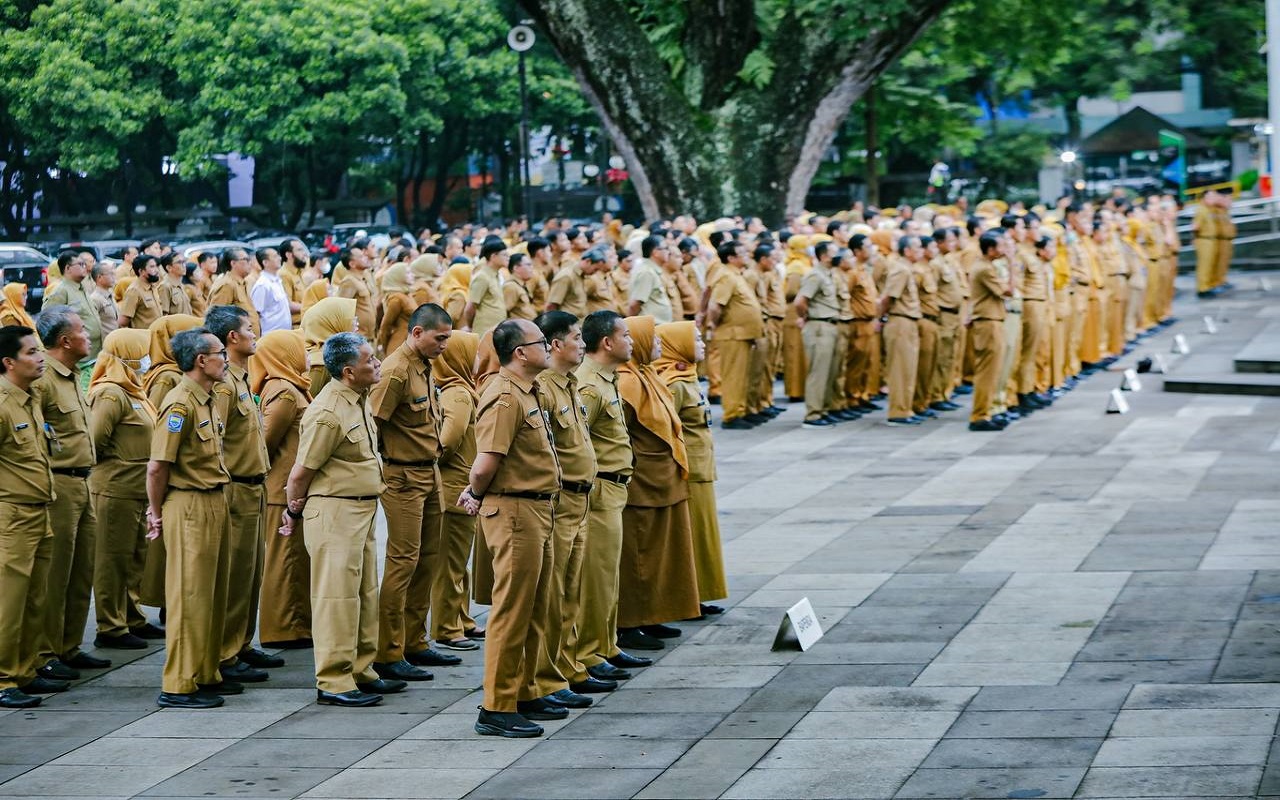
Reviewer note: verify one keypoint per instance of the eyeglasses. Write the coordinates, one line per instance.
(219, 353)
(543, 341)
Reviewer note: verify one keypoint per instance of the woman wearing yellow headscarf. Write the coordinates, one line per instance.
(316, 291)
(487, 364)
(278, 375)
(13, 306)
(451, 625)
(424, 275)
(121, 420)
(397, 307)
(658, 581)
(454, 289)
(330, 316)
(682, 349)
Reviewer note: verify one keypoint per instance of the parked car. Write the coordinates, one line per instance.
(23, 263)
(191, 250)
(101, 249)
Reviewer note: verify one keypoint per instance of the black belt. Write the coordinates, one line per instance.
(529, 495)
(577, 487)
(399, 463)
(361, 498)
(771, 316)
(252, 480)
(934, 318)
(987, 319)
(217, 488)
(74, 472)
(949, 310)
(1033, 299)
(845, 321)
(904, 316)
(820, 319)
(614, 477)
(1013, 311)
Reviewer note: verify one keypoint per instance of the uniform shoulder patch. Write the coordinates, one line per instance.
(176, 419)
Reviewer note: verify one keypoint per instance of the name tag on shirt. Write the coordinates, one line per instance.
(422, 399)
(202, 424)
(22, 426)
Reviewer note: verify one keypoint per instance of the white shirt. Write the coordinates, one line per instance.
(272, 303)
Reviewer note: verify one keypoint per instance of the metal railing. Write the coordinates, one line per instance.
(1193, 194)
(1243, 212)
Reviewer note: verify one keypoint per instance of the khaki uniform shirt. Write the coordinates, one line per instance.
(228, 290)
(519, 300)
(569, 431)
(818, 286)
(485, 294)
(24, 448)
(988, 290)
(648, 288)
(950, 290)
(121, 428)
(244, 446)
(773, 302)
(67, 415)
(1034, 284)
(740, 314)
(512, 423)
(141, 304)
(188, 436)
(291, 279)
(357, 286)
(569, 291)
(863, 296)
(842, 277)
(108, 312)
(598, 388)
(404, 405)
(77, 295)
(926, 287)
(337, 441)
(600, 294)
(900, 285)
(173, 297)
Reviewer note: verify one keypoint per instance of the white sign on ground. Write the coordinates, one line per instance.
(800, 621)
(1180, 345)
(1117, 404)
(1131, 383)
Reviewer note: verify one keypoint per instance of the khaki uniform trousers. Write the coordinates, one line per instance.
(247, 506)
(794, 367)
(1226, 249)
(1117, 312)
(944, 357)
(1059, 356)
(714, 370)
(760, 391)
(66, 602)
(925, 362)
(987, 336)
(451, 587)
(285, 612)
(1044, 354)
(1075, 342)
(598, 617)
(1206, 263)
(1151, 298)
(735, 376)
(1094, 346)
(344, 590)
(864, 348)
(837, 399)
(1035, 329)
(1001, 401)
(557, 661)
(197, 530)
(819, 352)
(118, 558)
(1135, 310)
(412, 506)
(517, 532)
(958, 359)
(902, 348)
(773, 364)
(26, 548)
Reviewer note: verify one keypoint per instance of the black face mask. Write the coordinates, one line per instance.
(153, 278)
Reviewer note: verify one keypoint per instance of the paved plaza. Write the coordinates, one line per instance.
(1085, 605)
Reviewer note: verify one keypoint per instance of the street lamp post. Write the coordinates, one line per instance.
(521, 39)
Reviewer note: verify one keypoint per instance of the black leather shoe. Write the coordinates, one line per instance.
(256, 658)
(985, 425)
(848, 414)
(758, 418)
(820, 422)
(291, 644)
(125, 641)
(43, 685)
(896, 421)
(607, 672)
(58, 671)
(569, 699)
(83, 660)
(541, 710)
(867, 405)
(243, 673)
(352, 699)
(474, 633)
(708, 609)
(927, 413)
(964, 388)
(402, 671)
(382, 686)
(795, 399)
(635, 639)
(739, 424)
(594, 685)
(662, 631)
(432, 658)
(223, 688)
(147, 631)
(189, 701)
(625, 660)
(508, 724)
(14, 697)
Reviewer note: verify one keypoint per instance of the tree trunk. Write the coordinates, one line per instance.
(873, 145)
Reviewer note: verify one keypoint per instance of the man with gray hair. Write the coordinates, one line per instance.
(103, 298)
(73, 290)
(334, 486)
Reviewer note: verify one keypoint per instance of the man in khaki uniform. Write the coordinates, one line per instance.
(357, 284)
(734, 322)
(1036, 258)
(245, 453)
(141, 304)
(817, 311)
(514, 482)
(408, 419)
(173, 297)
(104, 303)
(647, 293)
(950, 298)
(862, 368)
(1206, 237)
(231, 288)
(900, 314)
(925, 271)
(75, 290)
(187, 495)
(569, 286)
(517, 291)
(26, 490)
(773, 305)
(990, 285)
(66, 608)
(557, 661)
(485, 305)
(334, 488)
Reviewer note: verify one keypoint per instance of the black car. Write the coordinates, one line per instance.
(22, 263)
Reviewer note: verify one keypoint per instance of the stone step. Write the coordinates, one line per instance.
(1258, 384)
(1262, 353)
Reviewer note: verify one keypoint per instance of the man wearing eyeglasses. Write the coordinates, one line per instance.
(513, 487)
(187, 504)
(231, 287)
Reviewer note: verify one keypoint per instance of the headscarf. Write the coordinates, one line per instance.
(798, 262)
(122, 286)
(122, 345)
(677, 362)
(330, 316)
(644, 391)
(883, 240)
(162, 332)
(316, 291)
(283, 355)
(425, 267)
(486, 364)
(455, 365)
(457, 279)
(12, 303)
(396, 279)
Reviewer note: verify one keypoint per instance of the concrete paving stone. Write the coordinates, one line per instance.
(690, 783)
(1234, 781)
(1058, 782)
(417, 700)
(938, 564)
(65, 724)
(1030, 724)
(86, 781)
(479, 752)
(1270, 784)
(218, 723)
(92, 697)
(870, 653)
(1251, 647)
(1190, 751)
(1049, 698)
(1208, 595)
(913, 699)
(236, 781)
(1131, 672)
(740, 754)
(756, 725)
(632, 701)
(1130, 559)
(639, 726)
(1264, 669)
(38, 749)
(1168, 722)
(890, 596)
(1013, 753)
(401, 783)
(1240, 695)
(920, 614)
(724, 676)
(698, 654)
(586, 754)
(143, 752)
(132, 675)
(849, 632)
(824, 677)
(925, 511)
(1042, 673)
(1155, 643)
(820, 782)
(873, 725)
(589, 784)
(340, 723)
(320, 753)
(804, 754)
